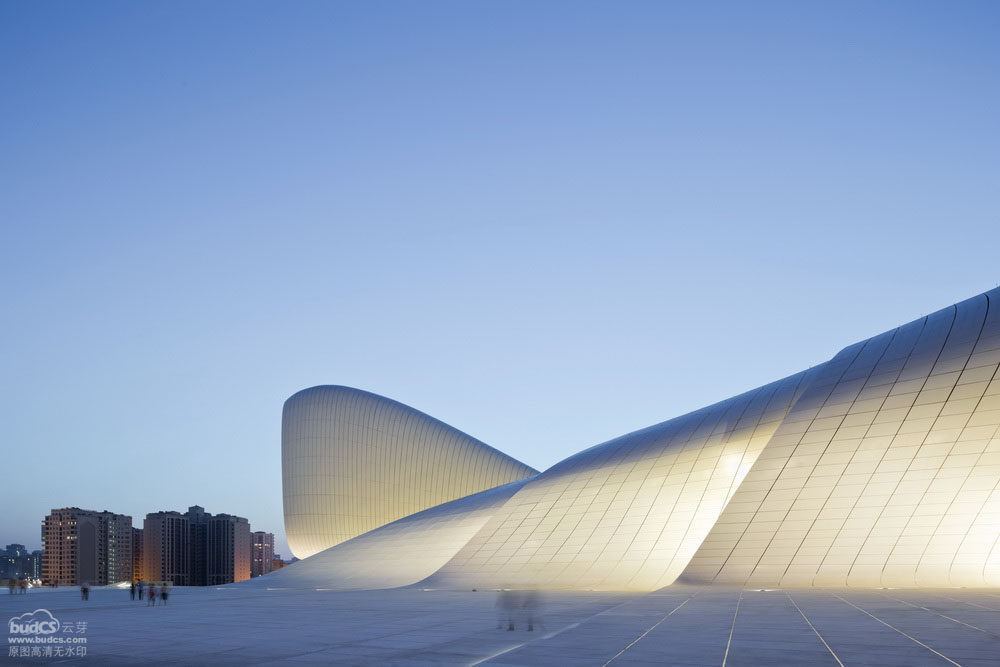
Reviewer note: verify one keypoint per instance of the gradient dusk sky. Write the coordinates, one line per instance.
(546, 224)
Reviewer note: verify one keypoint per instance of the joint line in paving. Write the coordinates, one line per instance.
(973, 604)
(549, 635)
(968, 625)
(517, 646)
(813, 628)
(650, 629)
(732, 629)
(913, 639)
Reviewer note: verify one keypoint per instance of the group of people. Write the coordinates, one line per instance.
(20, 585)
(150, 592)
(514, 605)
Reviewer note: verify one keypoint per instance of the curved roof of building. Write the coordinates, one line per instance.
(399, 553)
(353, 461)
(879, 467)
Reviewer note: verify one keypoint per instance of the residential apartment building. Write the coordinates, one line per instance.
(261, 553)
(196, 548)
(138, 567)
(17, 563)
(228, 550)
(166, 538)
(86, 546)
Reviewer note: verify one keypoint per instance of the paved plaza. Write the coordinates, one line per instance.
(241, 625)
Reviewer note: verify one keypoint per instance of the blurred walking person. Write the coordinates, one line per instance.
(164, 592)
(507, 606)
(85, 591)
(131, 590)
(151, 596)
(532, 607)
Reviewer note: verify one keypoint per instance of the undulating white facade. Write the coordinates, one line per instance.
(399, 553)
(352, 461)
(885, 472)
(880, 467)
(630, 513)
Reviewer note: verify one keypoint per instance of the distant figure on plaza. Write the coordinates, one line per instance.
(85, 591)
(22, 584)
(140, 588)
(164, 592)
(508, 603)
(531, 604)
(131, 590)
(151, 596)
(10, 585)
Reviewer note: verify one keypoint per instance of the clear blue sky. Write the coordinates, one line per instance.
(544, 223)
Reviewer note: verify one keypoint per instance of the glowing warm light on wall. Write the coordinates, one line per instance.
(877, 468)
(353, 461)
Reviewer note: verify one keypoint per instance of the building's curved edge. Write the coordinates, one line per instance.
(886, 474)
(407, 408)
(628, 513)
(353, 460)
(396, 554)
(754, 538)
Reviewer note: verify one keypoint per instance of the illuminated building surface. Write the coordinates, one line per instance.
(879, 467)
(352, 461)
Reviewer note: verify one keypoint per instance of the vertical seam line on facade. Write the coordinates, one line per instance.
(833, 388)
(952, 449)
(826, 448)
(746, 525)
(909, 355)
(937, 358)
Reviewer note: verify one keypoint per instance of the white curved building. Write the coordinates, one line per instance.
(880, 467)
(399, 553)
(886, 472)
(352, 461)
(630, 513)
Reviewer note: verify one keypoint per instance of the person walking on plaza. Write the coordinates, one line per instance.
(531, 604)
(164, 592)
(85, 591)
(10, 585)
(507, 605)
(22, 584)
(131, 590)
(140, 587)
(151, 596)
